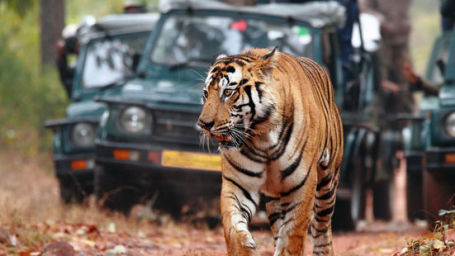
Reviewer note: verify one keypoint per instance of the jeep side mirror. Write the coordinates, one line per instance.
(136, 59)
(441, 66)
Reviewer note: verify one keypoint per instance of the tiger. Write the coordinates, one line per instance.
(280, 134)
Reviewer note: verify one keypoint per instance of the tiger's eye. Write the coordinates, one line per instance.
(228, 92)
(206, 94)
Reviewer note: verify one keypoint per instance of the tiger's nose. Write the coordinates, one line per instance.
(205, 125)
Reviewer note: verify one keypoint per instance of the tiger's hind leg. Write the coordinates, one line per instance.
(321, 226)
(293, 229)
(296, 211)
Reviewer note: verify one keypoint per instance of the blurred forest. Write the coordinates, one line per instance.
(425, 28)
(31, 94)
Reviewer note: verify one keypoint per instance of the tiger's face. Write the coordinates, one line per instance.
(235, 98)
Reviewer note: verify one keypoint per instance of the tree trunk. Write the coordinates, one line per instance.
(52, 18)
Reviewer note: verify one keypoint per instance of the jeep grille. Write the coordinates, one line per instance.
(172, 126)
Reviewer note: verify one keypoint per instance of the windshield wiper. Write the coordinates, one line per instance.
(117, 82)
(188, 62)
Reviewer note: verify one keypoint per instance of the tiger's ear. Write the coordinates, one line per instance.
(269, 56)
(266, 61)
(221, 56)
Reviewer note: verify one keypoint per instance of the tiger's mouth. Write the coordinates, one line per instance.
(226, 141)
(222, 138)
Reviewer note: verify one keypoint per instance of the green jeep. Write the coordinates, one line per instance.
(148, 145)
(430, 138)
(108, 51)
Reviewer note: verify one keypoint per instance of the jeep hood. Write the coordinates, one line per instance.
(85, 109)
(162, 92)
(447, 95)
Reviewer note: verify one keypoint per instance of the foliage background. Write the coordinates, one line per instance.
(425, 28)
(30, 94)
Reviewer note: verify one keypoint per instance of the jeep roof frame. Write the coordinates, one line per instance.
(117, 24)
(317, 14)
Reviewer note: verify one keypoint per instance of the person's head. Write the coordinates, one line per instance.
(133, 6)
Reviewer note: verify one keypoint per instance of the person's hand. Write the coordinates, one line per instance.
(390, 86)
(409, 73)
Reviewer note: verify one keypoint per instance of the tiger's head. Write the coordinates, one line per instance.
(236, 98)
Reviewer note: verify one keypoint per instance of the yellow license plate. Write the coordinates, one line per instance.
(190, 160)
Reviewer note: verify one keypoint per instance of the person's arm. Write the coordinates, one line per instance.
(419, 83)
(427, 87)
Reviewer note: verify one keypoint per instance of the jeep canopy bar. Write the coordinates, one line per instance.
(317, 14)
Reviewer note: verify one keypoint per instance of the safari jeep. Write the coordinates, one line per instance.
(148, 144)
(108, 50)
(430, 139)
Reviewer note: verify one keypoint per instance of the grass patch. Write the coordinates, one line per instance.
(438, 243)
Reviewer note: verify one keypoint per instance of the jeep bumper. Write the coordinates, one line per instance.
(414, 160)
(440, 159)
(149, 166)
(76, 169)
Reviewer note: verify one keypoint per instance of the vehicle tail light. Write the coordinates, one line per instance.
(123, 154)
(450, 158)
(79, 164)
(154, 157)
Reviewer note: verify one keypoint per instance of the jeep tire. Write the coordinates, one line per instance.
(438, 193)
(70, 191)
(342, 217)
(358, 195)
(414, 196)
(113, 190)
(383, 193)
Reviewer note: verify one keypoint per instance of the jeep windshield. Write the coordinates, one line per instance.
(109, 60)
(195, 40)
(441, 57)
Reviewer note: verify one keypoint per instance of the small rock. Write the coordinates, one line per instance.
(59, 248)
(88, 242)
(138, 211)
(385, 250)
(81, 232)
(4, 237)
(404, 251)
(118, 249)
(111, 227)
(7, 239)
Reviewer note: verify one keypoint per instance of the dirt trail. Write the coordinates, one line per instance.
(32, 218)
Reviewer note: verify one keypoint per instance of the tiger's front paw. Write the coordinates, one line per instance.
(246, 240)
(243, 245)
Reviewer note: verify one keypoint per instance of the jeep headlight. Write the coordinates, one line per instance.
(134, 120)
(83, 135)
(450, 124)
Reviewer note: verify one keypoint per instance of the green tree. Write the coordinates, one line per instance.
(52, 20)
